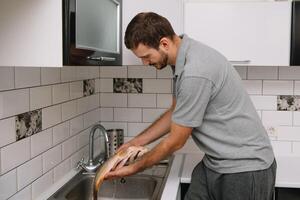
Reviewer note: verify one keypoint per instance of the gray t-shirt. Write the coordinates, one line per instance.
(210, 98)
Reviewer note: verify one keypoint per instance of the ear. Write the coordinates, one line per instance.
(165, 43)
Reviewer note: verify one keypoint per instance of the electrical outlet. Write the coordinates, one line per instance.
(272, 131)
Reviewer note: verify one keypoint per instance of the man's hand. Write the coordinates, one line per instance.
(125, 146)
(123, 171)
(175, 140)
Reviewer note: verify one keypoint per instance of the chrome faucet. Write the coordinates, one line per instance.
(90, 166)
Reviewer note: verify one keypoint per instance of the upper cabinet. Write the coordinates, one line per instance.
(171, 9)
(92, 32)
(247, 33)
(31, 33)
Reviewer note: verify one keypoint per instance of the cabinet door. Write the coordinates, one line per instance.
(250, 33)
(31, 33)
(171, 9)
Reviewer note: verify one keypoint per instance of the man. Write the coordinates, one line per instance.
(209, 104)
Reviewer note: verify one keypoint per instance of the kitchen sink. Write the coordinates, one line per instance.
(147, 185)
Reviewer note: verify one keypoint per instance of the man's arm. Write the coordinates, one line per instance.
(156, 130)
(174, 141)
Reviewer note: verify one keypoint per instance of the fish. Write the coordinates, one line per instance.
(117, 161)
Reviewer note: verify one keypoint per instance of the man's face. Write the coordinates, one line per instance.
(150, 56)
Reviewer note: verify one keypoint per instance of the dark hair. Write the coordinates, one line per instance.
(147, 28)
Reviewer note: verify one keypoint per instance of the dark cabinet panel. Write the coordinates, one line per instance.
(287, 194)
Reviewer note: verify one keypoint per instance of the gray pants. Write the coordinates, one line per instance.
(253, 185)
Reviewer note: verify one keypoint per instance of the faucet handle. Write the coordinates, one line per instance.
(80, 164)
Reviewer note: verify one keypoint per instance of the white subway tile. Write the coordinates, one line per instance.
(288, 133)
(76, 157)
(289, 73)
(8, 184)
(106, 85)
(14, 102)
(24, 194)
(51, 158)
(82, 73)
(150, 115)
(93, 101)
(68, 73)
(136, 128)
(97, 85)
(242, 71)
(15, 154)
(279, 118)
(113, 72)
(41, 142)
(42, 184)
(51, 116)
(113, 100)
(7, 78)
(76, 89)
(165, 73)
(141, 72)
(115, 125)
(264, 102)
(76, 125)
(296, 148)
(281, 147)
(87, 72)
(263, 72)
(128, 114)
(297, 88)
(69, 147)
(164, 100)
(27, 77)
(82, 105)
(83, 138)
(91, 118)
(296, 118)
(142, 100)
(61, 93)
(50, 75)
(157, 86)
(7, 131)
(106, 114)
(69, 110)
(278, 87)
(61, 132)
(40, 97)
(253, 86)
(88, 103)
(62, 169)
(29, 171)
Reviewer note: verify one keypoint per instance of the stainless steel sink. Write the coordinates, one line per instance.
(143, 186)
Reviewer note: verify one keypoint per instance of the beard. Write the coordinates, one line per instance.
(163, 62)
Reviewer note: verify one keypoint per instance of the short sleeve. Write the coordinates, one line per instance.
(192, 99)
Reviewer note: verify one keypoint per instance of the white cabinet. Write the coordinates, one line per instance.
(250, 33)
(31, 33)
(171, 9)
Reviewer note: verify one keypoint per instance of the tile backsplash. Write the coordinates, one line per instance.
(46, 115)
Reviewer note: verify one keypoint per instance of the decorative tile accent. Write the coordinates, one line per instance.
(88, 87)
(28, 124)
(128, 85)
(288, 103)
